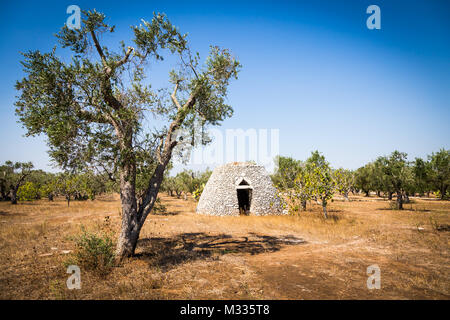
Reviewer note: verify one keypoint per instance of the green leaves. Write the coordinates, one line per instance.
(439, 164)
(344, 180)
(28, 192)
(303, 181)
(322, 182)
(96, 109)
(78, 39)
(150, 37)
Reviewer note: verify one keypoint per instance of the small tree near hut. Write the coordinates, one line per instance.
(321, 179)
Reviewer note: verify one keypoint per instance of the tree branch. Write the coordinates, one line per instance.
(174, 97)
(99, 48)
(125, 58)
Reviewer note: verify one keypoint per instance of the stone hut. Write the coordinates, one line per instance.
(240, 188)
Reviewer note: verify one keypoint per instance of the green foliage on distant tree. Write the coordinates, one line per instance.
(344, 180)
(186, 181)
(12, 176)
(303, 181)
(422, 176)
(389, 175)
(363, 179)
(439, 172)
(28, 192)
(321, 179)
(291, 179)
(286, 171)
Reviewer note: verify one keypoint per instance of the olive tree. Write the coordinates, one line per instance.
(323, 185)
(363, 178)
(395, 168)
(344, 180)
(12, 176)
(422, 178)
(292, 178)
(200, 180)
(92, 108)
(67, 185)
(303, 188)
(440, 171)
(28, 192)
(321, 179)
(285, 172)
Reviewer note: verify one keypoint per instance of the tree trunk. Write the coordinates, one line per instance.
(303, 204)
(443, 191)
(390, 195)
(50, 197)
(324, 207)
(14, 196)
(406, 197)
(133, 218)
(399, 200)
(68, 200)
(367, 193)
(3, 192)
(346, 196)
(130, 224)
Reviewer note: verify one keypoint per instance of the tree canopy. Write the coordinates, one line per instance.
(93, 107)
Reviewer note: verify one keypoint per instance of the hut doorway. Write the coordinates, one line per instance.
(244, 195)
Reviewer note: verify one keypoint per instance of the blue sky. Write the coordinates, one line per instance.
(311, 69)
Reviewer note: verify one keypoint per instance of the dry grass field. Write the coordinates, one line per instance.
(182, 255)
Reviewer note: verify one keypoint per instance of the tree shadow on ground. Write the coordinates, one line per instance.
(167, 253)
(166, 213)
(334, 217)
(335, 210)
(12, 214)
(405, 209)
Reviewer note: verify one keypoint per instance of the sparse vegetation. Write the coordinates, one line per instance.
(183, 255)
(387, 176)
(94, 251)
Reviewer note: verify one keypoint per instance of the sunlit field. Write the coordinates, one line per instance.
(182, 255)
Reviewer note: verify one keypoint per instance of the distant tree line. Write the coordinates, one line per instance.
(186, 182)
(395, 175)
(314, 179)
(18, 181)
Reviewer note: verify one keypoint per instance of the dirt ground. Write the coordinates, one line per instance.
(182, 255)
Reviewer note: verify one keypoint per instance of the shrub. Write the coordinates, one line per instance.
(94, 251)
(28, 192)
(198, 192)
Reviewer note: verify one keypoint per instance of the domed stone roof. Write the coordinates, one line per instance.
(240, 188)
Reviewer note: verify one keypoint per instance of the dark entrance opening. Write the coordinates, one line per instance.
(244, 195)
